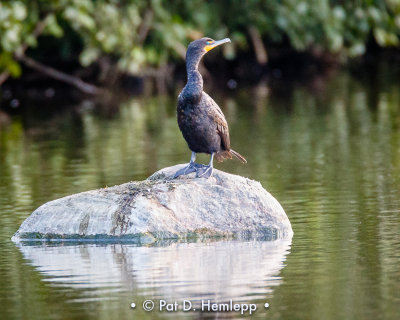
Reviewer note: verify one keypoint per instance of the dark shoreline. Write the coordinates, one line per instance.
(281, 73)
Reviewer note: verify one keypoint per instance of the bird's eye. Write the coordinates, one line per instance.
(209, 42)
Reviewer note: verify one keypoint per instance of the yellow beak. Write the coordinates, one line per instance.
(216, 44)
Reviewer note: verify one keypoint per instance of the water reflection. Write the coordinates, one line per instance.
(219, 271)
(331, 157)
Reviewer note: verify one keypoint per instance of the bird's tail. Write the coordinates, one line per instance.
(239, 156)
(221, 156)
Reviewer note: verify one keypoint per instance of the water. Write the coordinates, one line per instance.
(329, 152)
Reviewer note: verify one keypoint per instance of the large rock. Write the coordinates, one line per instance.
(160, 208)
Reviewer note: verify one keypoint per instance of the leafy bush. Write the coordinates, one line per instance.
(140, 34)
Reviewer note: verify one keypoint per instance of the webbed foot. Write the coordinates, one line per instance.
(191, 167)
(204, 171)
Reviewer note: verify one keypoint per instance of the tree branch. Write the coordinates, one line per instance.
(145, 26)
(36, 33)
(261, 52)
(24, 46)
(61, 76)
(51, 72)
(4, 76)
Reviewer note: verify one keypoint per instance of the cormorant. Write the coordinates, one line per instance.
(201, 121)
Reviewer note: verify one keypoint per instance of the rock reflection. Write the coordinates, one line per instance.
(219, 271)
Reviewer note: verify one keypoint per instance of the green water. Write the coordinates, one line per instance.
(328, 151)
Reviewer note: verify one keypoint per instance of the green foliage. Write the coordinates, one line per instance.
(310, 25)
(138, 34)
(8, 63)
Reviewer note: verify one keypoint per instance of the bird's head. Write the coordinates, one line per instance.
(200, 47)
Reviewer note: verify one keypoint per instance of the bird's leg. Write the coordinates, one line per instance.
(206, 171)
(192, 158)
(191, 167)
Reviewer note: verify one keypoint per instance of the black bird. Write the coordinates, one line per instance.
(201, 121)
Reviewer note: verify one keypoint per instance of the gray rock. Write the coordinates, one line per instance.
(160, 207)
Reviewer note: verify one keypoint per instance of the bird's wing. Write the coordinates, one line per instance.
(222, 126)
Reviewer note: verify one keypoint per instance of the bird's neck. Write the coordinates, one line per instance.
(194, 86)
(192, 62)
